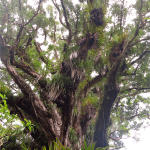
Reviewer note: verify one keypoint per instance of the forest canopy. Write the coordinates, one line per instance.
(49, 51)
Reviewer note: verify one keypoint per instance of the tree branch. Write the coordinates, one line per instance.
(129, 118)
(27, 69)
(19, 33)
(115, 139)
(139, 41)
(67, 23)
(122, 6)
(53, 38)
(20, 5)
(140, 27)
(140, 57)
(134, 88)
(34, 14)
(44, 58)
(134, 73)
(60, 18)
(98, 58)
(38, 49)
(86, 89)
(39, 108)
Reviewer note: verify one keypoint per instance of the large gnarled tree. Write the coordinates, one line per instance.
(53, 86)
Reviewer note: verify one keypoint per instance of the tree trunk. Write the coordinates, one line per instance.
(110, 94)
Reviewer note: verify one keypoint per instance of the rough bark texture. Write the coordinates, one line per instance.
(110, 95)
(50, 105)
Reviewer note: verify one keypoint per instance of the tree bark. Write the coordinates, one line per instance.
(111, 91)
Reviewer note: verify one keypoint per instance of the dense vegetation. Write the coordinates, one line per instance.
(47, 58)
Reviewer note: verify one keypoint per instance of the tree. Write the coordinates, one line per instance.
(53, 87)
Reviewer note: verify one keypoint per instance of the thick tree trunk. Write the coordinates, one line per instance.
(39, 111)
(102, 124)
(52, 124)
(39, 106)
(111, 91)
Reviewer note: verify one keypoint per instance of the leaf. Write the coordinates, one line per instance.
(29, 128)
(85, 146)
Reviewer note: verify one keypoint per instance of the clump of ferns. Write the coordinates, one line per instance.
(60, 81)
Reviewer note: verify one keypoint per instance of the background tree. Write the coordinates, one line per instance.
(53, 87)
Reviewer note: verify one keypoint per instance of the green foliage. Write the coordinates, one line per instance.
(88, 65)
(92, 147)
(41, 20)
(84, 82)
(112, 33)
(75, 111)
(90, 133)
(5, 91)
(73, 136)
(61, 81)
(8, 128)
(58, 145)
(28, 124)
(33, 56)
(91, 99)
